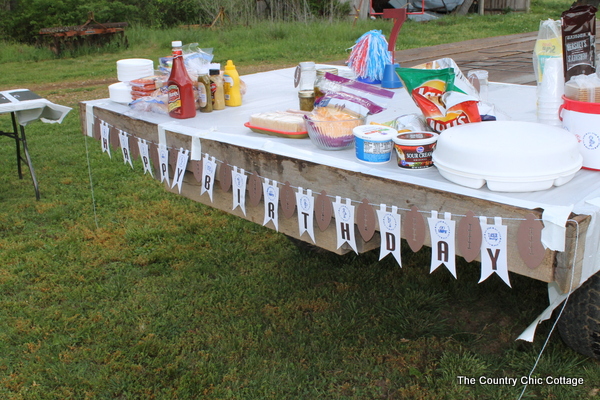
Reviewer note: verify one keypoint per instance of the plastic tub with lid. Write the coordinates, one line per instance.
(510, 156)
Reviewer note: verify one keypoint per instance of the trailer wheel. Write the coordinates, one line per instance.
(579, 324)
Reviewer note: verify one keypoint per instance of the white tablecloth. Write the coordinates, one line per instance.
(28, 111)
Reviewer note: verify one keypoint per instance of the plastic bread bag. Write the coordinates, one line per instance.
(442, 103)
(584, 88)
(155, 103)
(349, 103)
(332, 83)
(547, 45)
(406, 123)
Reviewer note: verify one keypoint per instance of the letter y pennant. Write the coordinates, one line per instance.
(494, 250)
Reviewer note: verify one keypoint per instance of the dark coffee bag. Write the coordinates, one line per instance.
(579, 40)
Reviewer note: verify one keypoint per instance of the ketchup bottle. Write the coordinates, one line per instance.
(180, 87)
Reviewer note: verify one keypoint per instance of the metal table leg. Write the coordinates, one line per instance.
(18, 134)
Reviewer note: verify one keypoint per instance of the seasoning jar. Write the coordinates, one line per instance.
(204, 93)
(320, 78)
(217, 90)
(306, 99)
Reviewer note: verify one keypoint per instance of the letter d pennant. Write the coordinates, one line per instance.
(390, 232)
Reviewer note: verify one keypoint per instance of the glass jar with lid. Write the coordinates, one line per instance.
(320, 79)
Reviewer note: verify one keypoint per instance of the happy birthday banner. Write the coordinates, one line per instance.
(472, 236)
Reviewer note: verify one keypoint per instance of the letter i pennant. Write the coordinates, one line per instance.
(443, 248)
(344, 223)
(494, 250)
(209, 166)
(238, 179)
(182, 160)
(390, 232)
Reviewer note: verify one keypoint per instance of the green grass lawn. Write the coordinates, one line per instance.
(130, 292)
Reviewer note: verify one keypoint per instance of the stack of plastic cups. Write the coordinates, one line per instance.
(550, 91)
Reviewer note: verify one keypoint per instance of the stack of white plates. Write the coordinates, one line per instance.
(120, 92)
(134, 68)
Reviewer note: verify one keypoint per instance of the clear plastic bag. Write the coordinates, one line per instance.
(548, 45)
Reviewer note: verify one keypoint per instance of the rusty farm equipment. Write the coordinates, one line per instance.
(92, 33)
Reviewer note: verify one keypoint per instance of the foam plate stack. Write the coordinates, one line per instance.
(120, 92)
(134, 68)
(128, 70)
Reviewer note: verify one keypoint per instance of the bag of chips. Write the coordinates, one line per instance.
(443, 103)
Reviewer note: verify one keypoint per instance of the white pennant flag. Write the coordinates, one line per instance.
(105, 137)
(344, 223)
(443, 247)
(390, 232)
(209, 166)
(182, 160)
(306, 212)
(493, 250)
(163, 160)
(271, 194)
(238, 179)
(145, 156)
(124, 140)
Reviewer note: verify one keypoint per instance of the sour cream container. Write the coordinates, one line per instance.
(414, 149)
(373, 143)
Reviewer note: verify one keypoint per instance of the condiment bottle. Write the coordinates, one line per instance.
(306, 99)
(216, 88)
(320, 78)
(231, 78)
(204, 92)
(180, 87)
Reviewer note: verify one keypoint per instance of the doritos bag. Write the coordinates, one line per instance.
(442, 103)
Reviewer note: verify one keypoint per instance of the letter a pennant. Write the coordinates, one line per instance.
(390, 232)
(305, 202)
(344, 223)
(238, 179)
(493, 250)
(182, 160)
(443, 247)
(271, 194)
(209, 166)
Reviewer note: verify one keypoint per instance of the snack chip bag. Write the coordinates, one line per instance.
(441, 101)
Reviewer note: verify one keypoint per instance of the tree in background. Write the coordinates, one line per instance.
(21, 20)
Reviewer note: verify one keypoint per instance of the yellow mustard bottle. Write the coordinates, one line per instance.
(233, 95)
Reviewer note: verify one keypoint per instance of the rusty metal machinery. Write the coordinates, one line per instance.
(91, 33)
